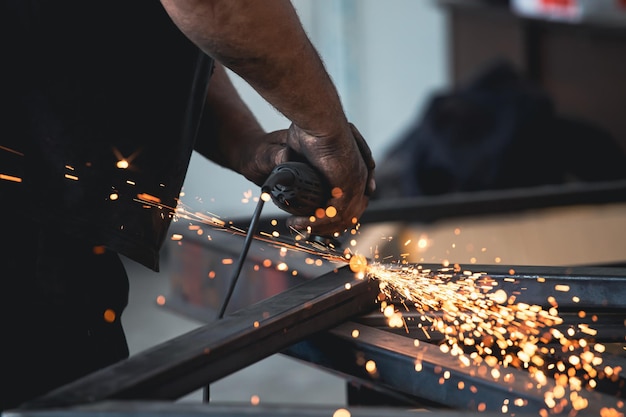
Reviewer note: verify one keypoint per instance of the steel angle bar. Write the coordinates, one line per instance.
(608, 327)
(191, 361)
(571, 287)
(441, 379)
(598, 292)
(476, 203)
(609, 330)
(170, 409)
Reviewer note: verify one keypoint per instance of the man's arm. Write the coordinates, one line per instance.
(265, 44)
(231, 136)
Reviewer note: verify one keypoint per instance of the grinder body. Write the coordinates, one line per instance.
(297, 188)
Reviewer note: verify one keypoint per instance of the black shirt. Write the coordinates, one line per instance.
(87, 87)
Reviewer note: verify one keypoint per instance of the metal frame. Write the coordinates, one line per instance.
(339, 352)
(193, 360)
(169, 409)
(600, 290)
(293, 323)
(427, 209)
(480, 203)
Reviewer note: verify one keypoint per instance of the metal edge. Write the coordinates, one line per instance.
(189, 362)
(395, 356)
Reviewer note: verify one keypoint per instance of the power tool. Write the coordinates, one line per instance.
(298, 189)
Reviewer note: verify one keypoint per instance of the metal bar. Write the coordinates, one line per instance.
(609, 326)
(431, 208)
(168, 409)
(594, 287)
(202, 356)
(599, 292)
(483, 203)
(205, 355)
(393, 351)
(442, 379)
(462, 204)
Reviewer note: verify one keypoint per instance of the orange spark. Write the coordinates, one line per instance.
(99, 250)
(109, 315)
(148, 197)
(10, 178)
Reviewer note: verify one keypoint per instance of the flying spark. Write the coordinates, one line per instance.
(482, 324)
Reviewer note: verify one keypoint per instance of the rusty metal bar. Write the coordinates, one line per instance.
(202, 356)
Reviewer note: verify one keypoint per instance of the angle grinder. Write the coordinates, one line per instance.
(298, 189)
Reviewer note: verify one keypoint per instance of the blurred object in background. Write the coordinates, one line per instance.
(497, 131)
(607, 12)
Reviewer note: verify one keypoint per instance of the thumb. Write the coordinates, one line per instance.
(258, 161)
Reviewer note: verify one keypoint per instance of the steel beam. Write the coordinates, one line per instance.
(609, 326)
(202, 356)
(442, 379)
(480, 203)
(594, 287)
(191, 361)
(169, 409)
(599, 290)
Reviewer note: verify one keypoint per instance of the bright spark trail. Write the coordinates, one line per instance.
(484, 325)
(297, 243)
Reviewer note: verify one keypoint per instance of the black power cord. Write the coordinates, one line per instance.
(296, 188)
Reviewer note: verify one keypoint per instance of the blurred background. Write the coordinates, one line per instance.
(452, 97)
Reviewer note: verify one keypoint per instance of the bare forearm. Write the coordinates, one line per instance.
(263, 42)
(231, 135)
(228, 123)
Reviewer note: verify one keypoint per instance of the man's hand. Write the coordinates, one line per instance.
(344, 160)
